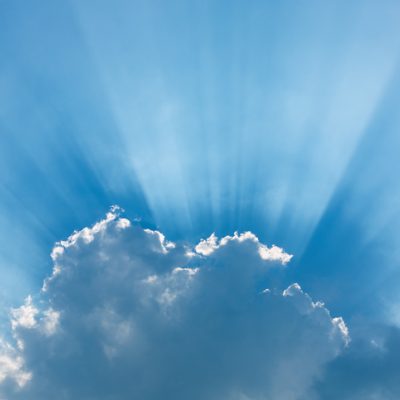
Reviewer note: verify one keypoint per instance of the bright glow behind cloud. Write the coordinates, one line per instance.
(128, 314)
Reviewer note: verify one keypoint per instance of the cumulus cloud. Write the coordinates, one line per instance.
(128, 314)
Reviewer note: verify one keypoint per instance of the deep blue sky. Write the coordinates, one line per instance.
(200, 116)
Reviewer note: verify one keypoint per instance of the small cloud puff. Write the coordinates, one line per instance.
(274, 253)
(128, 314)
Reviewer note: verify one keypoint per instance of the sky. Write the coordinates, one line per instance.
(205, 190)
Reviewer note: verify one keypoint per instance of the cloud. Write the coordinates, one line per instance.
(128, 314)
(11, 365)
(367, 370)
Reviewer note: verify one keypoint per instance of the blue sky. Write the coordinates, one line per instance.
(278, 118)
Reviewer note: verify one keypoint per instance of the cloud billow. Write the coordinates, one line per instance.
(128, 314)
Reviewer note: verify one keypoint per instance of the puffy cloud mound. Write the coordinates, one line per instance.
(127, 314)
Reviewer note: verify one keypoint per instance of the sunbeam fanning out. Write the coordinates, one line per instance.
(220, 125)
(242, 127)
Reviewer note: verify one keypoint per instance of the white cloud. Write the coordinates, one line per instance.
(50, 321)
(128, 314)
(207, 246)
(123, 223)
(12, 365)
(24, 316)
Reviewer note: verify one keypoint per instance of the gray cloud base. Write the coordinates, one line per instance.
(127, 314)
